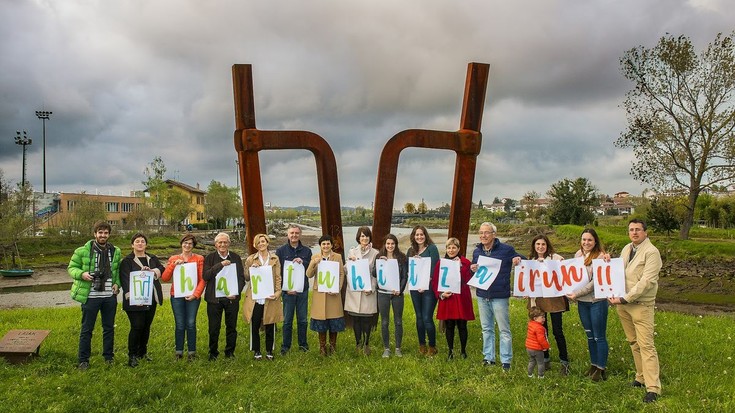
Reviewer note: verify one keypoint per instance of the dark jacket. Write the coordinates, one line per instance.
(287, 253)
(500, 251)
(129, 265)
(212, 266)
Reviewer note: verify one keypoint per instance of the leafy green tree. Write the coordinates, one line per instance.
(155, 186)
(15, 216)
(572, 202)
(422, 208)
(176, 207)
(533, 211)
(223, 203)
(82, 216)
(409, 208)
(681, 116)
(661, 215)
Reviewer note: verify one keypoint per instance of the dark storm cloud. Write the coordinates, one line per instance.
(128, 81)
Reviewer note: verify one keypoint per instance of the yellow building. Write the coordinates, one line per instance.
(197, 198)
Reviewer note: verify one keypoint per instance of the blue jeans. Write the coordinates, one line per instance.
(495, 310)
(594, 320)
(424, 305)
(185, 317)
(107, 307)
(297, 303)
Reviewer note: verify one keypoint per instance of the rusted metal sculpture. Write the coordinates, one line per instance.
(466, 142)
(249, 141)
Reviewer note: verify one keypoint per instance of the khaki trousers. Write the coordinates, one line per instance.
(637, 322)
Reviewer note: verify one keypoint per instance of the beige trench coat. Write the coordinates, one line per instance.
(273, 311)
(326, 306)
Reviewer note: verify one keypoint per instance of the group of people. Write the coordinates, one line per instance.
(99, 272)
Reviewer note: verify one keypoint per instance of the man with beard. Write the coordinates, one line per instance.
(94, 267)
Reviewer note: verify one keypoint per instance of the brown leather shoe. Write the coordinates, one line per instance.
(432, 351)
(596, 375)
(422, 349)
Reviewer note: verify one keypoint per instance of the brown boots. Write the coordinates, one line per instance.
(332, 342)
(323, 344)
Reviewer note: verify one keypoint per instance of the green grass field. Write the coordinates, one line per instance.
(696, 354)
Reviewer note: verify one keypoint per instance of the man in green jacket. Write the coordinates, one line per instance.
(94, 267)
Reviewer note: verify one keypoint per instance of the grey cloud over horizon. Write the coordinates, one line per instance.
(131, 80)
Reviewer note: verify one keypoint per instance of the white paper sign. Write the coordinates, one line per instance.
(487, 271)
(389, 277)
(358, 275)
(549, 278)
(419, 273)
(293, 276)
(226, 281)
(327, 274)
(449, 278)
(609, 278)
(261, 282)
(141, 287)
(185, 279)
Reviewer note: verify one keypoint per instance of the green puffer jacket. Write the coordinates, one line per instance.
(82, 262)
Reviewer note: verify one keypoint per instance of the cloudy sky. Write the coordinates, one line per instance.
(132, 79)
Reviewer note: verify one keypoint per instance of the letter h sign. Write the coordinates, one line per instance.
(466, 143)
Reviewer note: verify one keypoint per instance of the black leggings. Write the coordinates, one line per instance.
(462, 327)
(362, 327)
(561, 341)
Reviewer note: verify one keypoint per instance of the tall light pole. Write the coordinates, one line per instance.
(44, 116)
(24, 141)
(237, 176)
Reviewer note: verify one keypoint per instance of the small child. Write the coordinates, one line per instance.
(536, 341)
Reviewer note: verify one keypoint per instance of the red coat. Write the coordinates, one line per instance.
(458, 306)
(536, 337)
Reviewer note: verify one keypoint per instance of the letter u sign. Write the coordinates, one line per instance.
(466, 143)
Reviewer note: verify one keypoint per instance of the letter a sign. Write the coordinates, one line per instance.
(226, 282)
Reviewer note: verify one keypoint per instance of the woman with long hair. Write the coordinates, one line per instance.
(541, 249)
(424, 301)
(394, 299)
(592, 312)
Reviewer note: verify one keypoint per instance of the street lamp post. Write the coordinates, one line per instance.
(44, 116)
(24, 141)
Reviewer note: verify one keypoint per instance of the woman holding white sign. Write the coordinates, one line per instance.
(139, 275)
(392, 298)
(593, 312)
(262, 307)
(541, 250)
(362, 304)
(186, 293)
(327, 315)
(424, 301)
(455, 309)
